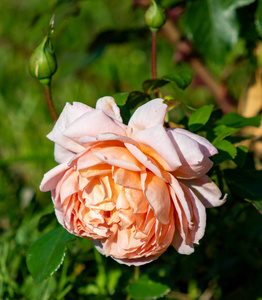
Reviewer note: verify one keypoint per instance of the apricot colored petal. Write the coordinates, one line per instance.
(118, 156)
(108, 106)
(91, 124)
(84, 160)
(136, 200)
(52, 177)
(69, 186)
(148, 115)
(206, 190)
(161, 147)
(157, 195)
(144, 160)
(117, 162)
(126, 178)
(194, 162)
(206, 147)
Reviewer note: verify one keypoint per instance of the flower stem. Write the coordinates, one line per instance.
(136, 275)
(153, 60)
(49, 101)
(153, 55)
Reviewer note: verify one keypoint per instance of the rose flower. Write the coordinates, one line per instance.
(133, 189)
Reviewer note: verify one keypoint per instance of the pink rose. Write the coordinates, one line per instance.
(133, 189)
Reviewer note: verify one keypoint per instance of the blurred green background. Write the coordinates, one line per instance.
(227, 264)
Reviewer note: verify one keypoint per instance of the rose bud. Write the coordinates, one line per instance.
(155, 16)
(42, 63)
(133, 189)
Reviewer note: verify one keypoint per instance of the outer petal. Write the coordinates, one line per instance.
(62, 155)
(161, 147)
(206, 190)
(157, 195)
(194, 158)
(52, 177)
(148, 115)
(109, 107)
(199, 211)
(91, 124)
(206, 147)
(69, 114)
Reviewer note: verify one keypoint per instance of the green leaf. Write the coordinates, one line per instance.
(136, 98)
(121, 98)
(241, 155)
(46, 220)
(237, 121)
(182, 79)
(258, 18)
(234, 4)
(245, 183)
(219, 132)
(144, 288)
(151, 84)
(213, 28)
(46, 254)
(200, 117)
(226, 151)
(257, 204)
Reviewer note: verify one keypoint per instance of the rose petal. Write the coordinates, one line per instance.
(148, 115)
(206, 147)
(194, 161)
(109, 107)
(145, 160)
(160, 147)
(52, 177)
(118, 156)
(69, 114)
(126, 178)
(199, 212)
(157, 195)
(62, 155)
(206, 190)
(92, 123)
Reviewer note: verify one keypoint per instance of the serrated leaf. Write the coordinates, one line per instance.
(151, 84)
(182, 79)
(226, 151)
(146, 289)
(241, 155)
(200, 117)
(121, 98)
(213, 27)
(237, 121)
(46, 254)
(219, 132)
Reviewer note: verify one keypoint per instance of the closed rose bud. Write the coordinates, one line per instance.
(155, 16)
(42, 63)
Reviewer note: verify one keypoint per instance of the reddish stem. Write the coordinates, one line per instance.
(153, 54)
(49, 101)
